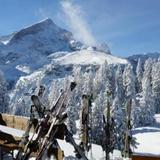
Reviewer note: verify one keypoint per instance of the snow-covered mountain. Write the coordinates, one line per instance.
(24, 52)
(44, 37)
(43, 53)
(29, 47)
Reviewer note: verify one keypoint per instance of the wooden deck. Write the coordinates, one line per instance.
(143, 157)
(9, 142)
(17, 122)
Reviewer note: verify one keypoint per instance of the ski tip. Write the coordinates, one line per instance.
(33, 97)
(73, 85)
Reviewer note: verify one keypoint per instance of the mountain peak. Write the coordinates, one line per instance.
(43, 24)
(46, 21)
(46, 25)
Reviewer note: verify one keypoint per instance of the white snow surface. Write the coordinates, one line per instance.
(23, 68)
(148, 139)
(84, 57)
(12, 131)
(5, 42)
(157, 118)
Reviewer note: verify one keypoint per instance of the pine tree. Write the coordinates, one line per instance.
(72, 113)
(53, 93)
(88, 83)
(147, 101)
(21, 108)
(110, 79)
(119, 89)
(4, 98)
(139, 75)
(118, 116)
(100, 77)
(129, 81)
(156, 85)
(118, 111)
(97, 126)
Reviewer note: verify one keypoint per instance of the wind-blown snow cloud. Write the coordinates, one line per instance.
(77, 22)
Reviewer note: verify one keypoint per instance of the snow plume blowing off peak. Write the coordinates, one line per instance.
(77, 23)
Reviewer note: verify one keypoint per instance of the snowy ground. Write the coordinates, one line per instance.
(84, 57)
(148, 139)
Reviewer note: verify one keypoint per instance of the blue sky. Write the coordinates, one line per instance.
(127, 26)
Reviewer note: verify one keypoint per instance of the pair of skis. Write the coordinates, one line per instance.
(55, 115)
(58, 110)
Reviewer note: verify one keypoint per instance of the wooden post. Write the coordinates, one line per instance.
(128, 129)
(85, 121)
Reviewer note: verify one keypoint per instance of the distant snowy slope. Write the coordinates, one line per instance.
(84, 57)
(45, 37)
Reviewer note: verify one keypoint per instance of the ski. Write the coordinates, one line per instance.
(38, 105)
(48, 120)
(77, 148)
(127, 149)
(85, 122)
(107, 129)
(60, 109)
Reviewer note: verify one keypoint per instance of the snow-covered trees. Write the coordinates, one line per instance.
(119, 89)
(118, 116)
(72, 114)
(139, 75)
(118, 111)
(54, 92)
(110, 79)
(129, 81)
(97, 121)
(100, 77)
(4, 98)
(156, 85)
(147, 101)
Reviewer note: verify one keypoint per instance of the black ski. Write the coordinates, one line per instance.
(38, 105)
(77, 148)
